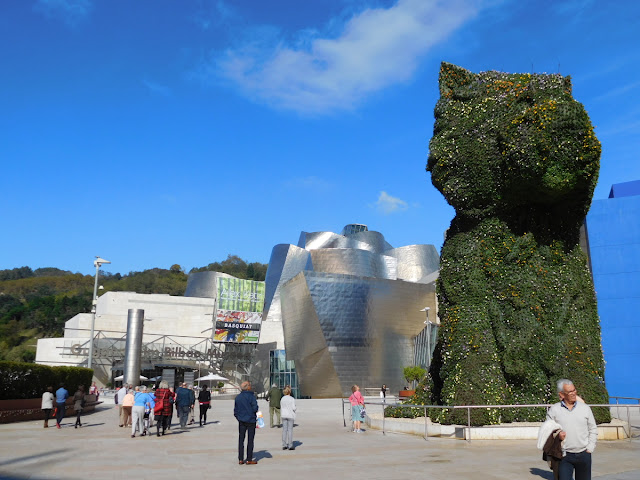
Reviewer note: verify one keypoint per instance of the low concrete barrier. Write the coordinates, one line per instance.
(616, 430)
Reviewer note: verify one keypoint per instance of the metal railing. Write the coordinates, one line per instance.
(468, 427)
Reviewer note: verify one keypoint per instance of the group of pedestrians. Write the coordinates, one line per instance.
(56, 404)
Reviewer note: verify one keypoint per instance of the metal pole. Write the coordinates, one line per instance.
(469, 422)
(93, 316)
(133, 347)
(383, 412)
(426, 433)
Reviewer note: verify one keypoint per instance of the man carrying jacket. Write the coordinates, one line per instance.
(245, 409)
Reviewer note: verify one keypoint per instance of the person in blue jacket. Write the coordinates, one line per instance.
(61, 399)
(245, 409)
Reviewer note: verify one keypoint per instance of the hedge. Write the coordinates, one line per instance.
(30, 380)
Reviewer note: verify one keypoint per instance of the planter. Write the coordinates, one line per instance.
(406, 393)
(29, 409)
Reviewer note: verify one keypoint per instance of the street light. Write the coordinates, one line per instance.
(428, 324)
(98, 262)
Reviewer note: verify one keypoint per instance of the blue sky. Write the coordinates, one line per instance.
(157, 132)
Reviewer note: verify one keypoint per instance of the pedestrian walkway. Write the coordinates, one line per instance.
(324, 449)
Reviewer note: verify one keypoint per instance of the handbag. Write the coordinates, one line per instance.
(159, 407)
(363, 413)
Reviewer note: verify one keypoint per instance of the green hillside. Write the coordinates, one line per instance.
(36, 303)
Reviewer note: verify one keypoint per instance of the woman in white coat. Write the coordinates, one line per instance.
(288, 415)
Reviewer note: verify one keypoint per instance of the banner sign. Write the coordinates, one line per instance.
(239, 310)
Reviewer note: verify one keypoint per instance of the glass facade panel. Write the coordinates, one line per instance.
(283, 372)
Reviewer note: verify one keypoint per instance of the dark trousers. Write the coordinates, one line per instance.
(162, 421)
(203, 413)
(243, 429)
(183, 414)
(580, 462)
(60, 412)
(78, 412)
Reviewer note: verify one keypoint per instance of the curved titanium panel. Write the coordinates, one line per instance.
(375, 240)
(415, 262)
(285, 263)
(358, 330)
(354, 262)
(203, 284)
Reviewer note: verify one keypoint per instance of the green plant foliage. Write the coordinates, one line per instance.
(414, 373)
(517, 158)
(29, 380)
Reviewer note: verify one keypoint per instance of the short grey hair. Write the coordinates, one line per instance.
(561, 383)
(245, 386)
(143, 388)
(164, 384)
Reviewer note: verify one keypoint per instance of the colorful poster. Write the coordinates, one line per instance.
(239, 310)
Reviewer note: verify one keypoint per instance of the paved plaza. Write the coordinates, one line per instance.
(324, 449)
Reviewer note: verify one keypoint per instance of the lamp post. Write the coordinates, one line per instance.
(98, 262)
(428, 324)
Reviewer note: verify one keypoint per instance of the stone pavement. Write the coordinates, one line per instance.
(324, 448)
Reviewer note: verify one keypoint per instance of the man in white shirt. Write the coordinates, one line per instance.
(579, 432)
(119, 398)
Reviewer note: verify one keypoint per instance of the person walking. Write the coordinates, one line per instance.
(163, 417)
(579, 432)
(192, 398)
(357, 404)
(383, 393)
(273, 397)
(127, 406)
(119, 399)
(78, 404)
(183, 404)
(204, 400)
(142, 401)
(288, 412)
(61, 399)
(47, 405)
(244, 409)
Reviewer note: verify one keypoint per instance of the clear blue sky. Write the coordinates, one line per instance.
(156, 132)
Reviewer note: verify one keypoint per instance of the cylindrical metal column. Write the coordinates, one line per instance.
(133, 347)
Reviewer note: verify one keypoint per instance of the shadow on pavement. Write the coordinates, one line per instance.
(546, 474)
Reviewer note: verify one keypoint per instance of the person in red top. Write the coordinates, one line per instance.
(357, 404)
(166, 396)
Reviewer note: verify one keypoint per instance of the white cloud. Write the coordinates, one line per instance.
(72, 12)
(375, 49)
(387, 204)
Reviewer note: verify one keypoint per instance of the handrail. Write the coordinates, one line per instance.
(469, 407)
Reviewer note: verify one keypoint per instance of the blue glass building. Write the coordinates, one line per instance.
(613, 235)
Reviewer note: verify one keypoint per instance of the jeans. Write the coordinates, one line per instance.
(60, 412)
(243, 429)
(287, 432)
(581, 462)
(183, 414)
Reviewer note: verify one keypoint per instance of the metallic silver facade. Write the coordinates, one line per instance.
(204, 284)
(133, 346)
(350, 307)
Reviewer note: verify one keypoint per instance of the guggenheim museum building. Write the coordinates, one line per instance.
(336, 309)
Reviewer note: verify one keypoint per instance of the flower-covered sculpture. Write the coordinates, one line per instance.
(517, 157)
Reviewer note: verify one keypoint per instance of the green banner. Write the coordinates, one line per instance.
(239, 310)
